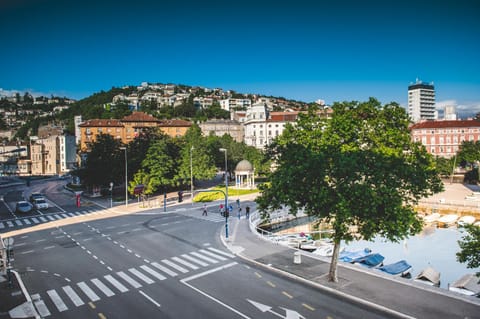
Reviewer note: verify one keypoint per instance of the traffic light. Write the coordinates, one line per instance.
(180, 196)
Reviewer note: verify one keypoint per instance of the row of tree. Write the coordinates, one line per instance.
(162, 163)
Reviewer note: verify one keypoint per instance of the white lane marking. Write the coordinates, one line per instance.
(27, 252)
(40, 305)
(61, 306)
(184, 262)
(19, 244)
(150, 298)
(116, 283)
(175, 266)
(49, 247)
(35, 220)
(221, 252)
(40, 240)
(107, 291)
(153, 272)
(141, 276)
(89, 292)
(164, 269)
(185, 282)
(135, 284)
(201, 263)
(206, 252)
(77, 301)
(210, 260)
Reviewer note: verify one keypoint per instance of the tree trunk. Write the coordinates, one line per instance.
(332, 274)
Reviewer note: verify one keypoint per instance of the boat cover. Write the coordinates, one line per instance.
(353, 256)
(468, 282)
(396, 268)
(429, 274)
(371, 260)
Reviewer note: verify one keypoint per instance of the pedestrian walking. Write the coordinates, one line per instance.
(247, 212)
(230, 210)
(239, 212)
(204, 210)
(238, 202)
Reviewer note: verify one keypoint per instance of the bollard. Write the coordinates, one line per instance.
(297, 257)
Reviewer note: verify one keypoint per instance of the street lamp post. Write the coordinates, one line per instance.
(226, 193)
(111, 194)
(191, 175)
(126, 176)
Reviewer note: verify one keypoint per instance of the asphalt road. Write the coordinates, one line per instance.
(156, 264)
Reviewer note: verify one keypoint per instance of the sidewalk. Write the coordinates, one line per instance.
(397, 297)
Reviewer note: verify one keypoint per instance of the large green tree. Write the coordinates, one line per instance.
(359, 168)
(469, 152)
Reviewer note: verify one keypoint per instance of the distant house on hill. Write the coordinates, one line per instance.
(128, 128)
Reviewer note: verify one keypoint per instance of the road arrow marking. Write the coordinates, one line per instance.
(289, 314)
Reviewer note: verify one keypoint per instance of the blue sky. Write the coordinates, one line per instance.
(303, 50)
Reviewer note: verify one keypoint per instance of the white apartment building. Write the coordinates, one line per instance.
(228, 104)
(201, 102)
(53, 155)
(77, 120)
(421, 102)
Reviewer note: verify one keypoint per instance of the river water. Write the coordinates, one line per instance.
(434, 247)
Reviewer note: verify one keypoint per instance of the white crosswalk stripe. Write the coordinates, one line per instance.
(77, 301)
(100, 285)
(71, 214)
(61, 306)
(10, 224)
(2, 226)
(64, 215)
(210, 260)
(87, 291)
(77, 214)
(185, 263)
(51, 217)
(43, 219)
(40, 305)
(115, 283)
(195, 260)
(18, 222)
(141, 276)
(26, 221)
(221, 252)
(206, 252)
(164, 269)
(175, 266)
(35, 220)
(135, 284)
(57, 216)
(153, 272)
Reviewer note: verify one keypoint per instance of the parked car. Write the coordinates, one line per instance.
(40, 203)
(35, 196)
(23, 207)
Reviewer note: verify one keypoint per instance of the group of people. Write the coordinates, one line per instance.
(223, 210)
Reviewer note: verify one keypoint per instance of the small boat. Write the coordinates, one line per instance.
(432, 218)
(324, 250)
(467, 285)
(429, 276)
(465, 220)
(371, 261)
(400, 268)
(352, 256)
(447, 220)
(308, 245)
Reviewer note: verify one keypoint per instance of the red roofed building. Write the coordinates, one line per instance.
(443, 138)
(128, 128)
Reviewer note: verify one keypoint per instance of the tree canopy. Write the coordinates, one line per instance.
(359, 169)
(470, 247)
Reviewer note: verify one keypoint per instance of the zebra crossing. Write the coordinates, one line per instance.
(211, 216)
(119, 282)
(39, 219)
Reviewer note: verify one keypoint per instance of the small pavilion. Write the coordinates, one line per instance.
(244, 175)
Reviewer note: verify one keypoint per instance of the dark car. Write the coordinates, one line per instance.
(23, 207)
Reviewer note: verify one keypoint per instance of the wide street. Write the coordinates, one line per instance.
(105, 264)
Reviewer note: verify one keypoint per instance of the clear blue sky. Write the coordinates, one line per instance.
(304, 50)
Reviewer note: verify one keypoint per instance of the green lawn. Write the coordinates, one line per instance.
(212, 195)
